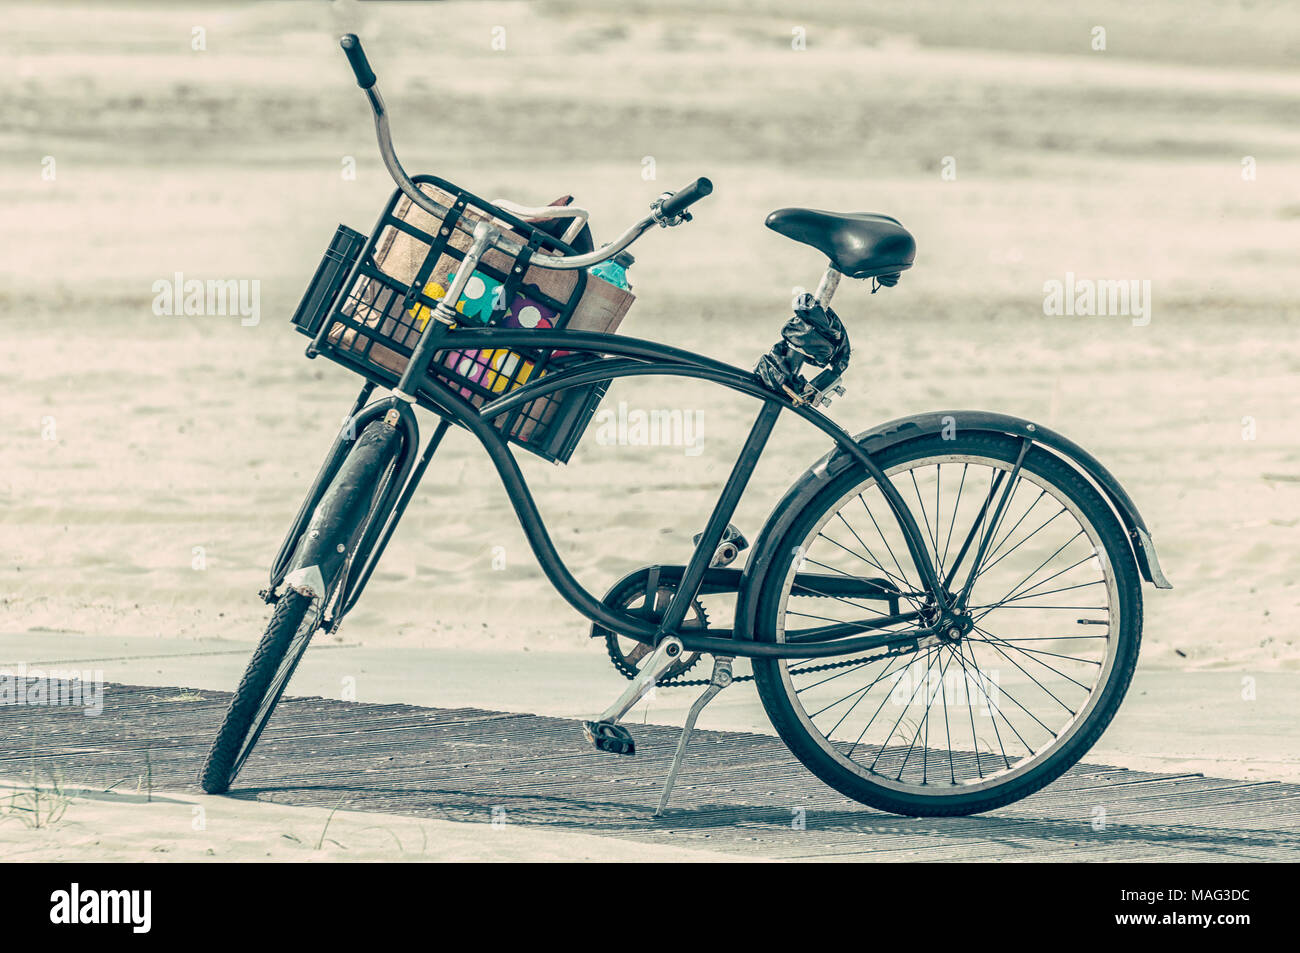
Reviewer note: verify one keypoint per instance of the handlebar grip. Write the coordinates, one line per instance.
(351, 44)
(687, 197)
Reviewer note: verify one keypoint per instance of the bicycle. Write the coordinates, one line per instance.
(856, 597)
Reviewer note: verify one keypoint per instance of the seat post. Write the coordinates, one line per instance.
(826, 288)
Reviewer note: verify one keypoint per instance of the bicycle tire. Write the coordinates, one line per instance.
(238, 734)
(775, 691)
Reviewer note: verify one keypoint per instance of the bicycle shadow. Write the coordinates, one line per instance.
(760, 829)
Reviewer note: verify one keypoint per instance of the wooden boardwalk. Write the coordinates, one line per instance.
(738, 793)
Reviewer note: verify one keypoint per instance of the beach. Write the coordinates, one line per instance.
(151, 461)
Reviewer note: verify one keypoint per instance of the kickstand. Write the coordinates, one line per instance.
(720, 680)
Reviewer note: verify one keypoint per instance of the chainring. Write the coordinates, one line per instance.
(627, 654)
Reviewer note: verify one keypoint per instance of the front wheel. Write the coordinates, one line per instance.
(330, 541)
(955, 726)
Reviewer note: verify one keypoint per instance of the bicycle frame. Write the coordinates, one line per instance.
(620, 357)
(614, 357)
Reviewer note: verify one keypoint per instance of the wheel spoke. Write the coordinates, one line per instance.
(1050, 519)
(993, 640)
(998, 514)
(1069, 658)
(1047, 691)
(938, 514)
(888, 575)
(1016, 588)
(817, 593)
(995, 480)
(955, 506)
(847, 671)
(993, 708)
(1049, 592)
(925, 720)
(1009, 533)
(970, 709)
(1023, 593)
(907, 585)
(866, 690)
(929, 663)
(929, 534)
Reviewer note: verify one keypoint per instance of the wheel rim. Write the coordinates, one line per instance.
(955, 719)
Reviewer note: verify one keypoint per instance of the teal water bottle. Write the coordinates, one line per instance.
(615, 270)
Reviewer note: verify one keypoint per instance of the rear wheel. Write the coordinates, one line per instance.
(970, 724)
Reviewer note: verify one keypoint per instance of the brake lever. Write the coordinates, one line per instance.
(666, 221)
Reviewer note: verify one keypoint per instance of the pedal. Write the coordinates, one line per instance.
(607, 736)
(604, 732)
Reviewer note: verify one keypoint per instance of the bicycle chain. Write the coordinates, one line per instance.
(824, 667)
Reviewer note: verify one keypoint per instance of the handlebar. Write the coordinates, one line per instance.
(679, 202)
(351, 44)
(669, 209)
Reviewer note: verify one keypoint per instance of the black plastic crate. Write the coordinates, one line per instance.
(368, 312)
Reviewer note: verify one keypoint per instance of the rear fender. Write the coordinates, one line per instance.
(904, 429)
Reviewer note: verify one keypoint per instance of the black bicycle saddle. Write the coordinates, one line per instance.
(859, 244)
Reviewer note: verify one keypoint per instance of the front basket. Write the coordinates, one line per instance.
(370, 300)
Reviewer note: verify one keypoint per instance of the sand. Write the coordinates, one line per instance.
(149, 464)
(106, 826)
